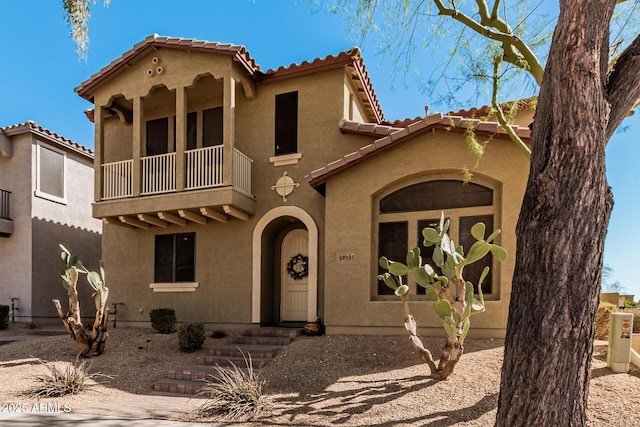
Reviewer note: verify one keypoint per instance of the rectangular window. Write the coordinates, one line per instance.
(175, 258)
(51, 173)
(473, 271)
(212, 132)
(158, 136)
(286, 138)
(191, 130)
(392, 243)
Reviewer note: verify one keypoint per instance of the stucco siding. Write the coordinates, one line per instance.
(15, 251)
(351, 302)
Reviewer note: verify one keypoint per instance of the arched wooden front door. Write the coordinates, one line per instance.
(295, 283)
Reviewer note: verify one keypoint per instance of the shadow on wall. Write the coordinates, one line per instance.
(47, 265)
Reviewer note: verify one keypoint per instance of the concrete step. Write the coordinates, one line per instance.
(274, 332)
(239, 361)
(260, 344)
(248, 339)
(198, 373)
(257, 351)
(169, 385)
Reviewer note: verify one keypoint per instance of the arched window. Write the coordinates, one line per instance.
(404, 213)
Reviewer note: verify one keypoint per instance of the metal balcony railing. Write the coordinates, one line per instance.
(203, 169)
(5, 210)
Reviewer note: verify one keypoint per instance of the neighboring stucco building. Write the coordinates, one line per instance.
(45, 200)
(240, 197)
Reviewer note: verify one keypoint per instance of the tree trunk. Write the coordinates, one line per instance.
(561, 230)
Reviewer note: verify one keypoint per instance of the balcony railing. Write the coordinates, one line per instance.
(158, 174)
(4, 204)
(204, 167)
(117, 180)
(203, 170)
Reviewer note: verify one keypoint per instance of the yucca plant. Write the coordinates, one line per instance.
(60, 382)
(235, 393)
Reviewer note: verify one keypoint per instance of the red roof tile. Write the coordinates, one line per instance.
(36, 129)
(350, 58)
(400, 135)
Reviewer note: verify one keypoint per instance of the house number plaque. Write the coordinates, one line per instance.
(347, 258)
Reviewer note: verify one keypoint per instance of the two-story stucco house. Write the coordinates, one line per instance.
(243, 198)
(45, 200)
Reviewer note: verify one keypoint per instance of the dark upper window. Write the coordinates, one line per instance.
(158, 136)
(192, 119)
(286, 138)
(392, 238)
(212, 127)
(436, 195)
(175, 258)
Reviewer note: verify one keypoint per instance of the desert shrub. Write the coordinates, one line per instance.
(191, 336)
(4, 316)
(218, 334)
(59, 382)
(235, 393)
(163, 320)
(602, 319)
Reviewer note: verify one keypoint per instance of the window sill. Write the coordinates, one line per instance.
(50, 197)
(286, 159)
(174, 287)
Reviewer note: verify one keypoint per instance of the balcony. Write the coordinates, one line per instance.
(205, 194)
(6, 224)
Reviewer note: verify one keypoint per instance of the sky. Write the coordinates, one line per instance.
(39, 70)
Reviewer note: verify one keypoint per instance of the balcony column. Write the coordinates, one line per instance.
(98, 149)
(139, 133)
(228, 126)
(181, 136)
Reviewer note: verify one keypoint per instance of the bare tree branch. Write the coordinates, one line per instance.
(523, 58)
(623, 85)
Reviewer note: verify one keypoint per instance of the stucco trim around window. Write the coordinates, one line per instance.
(286, 159)
(174, 287)
(41, 190)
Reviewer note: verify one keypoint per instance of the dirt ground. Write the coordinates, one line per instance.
(318, 381)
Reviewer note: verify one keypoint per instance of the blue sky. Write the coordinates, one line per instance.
(39, 70)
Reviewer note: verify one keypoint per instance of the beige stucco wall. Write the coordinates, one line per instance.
(350, 304)
(70, 224)
(15, 251)
(223, 250)
(30, 256)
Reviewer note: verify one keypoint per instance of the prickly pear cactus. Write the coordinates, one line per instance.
(454, 297)
(90, 342)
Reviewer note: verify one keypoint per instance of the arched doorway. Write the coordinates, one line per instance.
(275, 298)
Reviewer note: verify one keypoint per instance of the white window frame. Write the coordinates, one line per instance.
(43, 194)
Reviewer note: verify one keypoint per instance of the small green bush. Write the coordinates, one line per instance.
(191, 336)
(163, 320)
(4, 316)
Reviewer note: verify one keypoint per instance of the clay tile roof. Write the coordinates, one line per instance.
(358, 72)
(485, 110)
(370, 129)
(397, 136)
(240, 54)
(350, 58)
(50, 136)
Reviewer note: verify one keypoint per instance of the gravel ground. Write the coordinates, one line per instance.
(319, 381)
